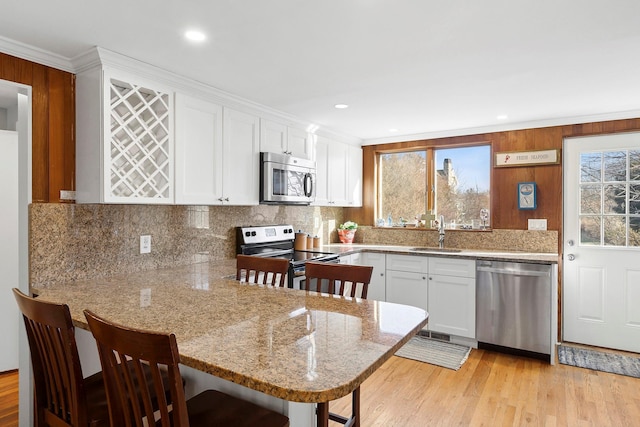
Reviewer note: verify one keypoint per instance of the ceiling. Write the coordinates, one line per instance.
(423, 67)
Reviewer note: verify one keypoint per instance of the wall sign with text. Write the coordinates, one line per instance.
(527, 158)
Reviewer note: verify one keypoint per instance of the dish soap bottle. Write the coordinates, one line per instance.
(389, 220)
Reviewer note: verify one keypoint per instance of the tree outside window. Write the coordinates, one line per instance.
(458, 184)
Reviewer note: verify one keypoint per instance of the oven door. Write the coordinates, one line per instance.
(290, 181)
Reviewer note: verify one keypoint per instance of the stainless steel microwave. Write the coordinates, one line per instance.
(286, 180)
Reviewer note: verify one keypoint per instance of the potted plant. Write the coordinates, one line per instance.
(347, 231)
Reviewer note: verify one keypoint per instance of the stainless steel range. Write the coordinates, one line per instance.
(277, 241)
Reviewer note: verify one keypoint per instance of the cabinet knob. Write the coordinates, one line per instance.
(424, 278)
(381, 274)
(226, 199)
(219, 199)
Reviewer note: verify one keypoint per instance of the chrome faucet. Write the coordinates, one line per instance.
(441, 232)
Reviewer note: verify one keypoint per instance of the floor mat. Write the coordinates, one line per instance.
(599, 360)
(435, 352)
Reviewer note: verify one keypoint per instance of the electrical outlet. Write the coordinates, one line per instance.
(537, 224)
(145, 297)
(145, 244)
(67, 195)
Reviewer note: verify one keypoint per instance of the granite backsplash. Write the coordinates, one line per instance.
(73, 242)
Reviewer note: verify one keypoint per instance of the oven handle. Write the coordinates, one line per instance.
(308, 185)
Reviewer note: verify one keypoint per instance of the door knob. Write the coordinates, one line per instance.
(571, 257)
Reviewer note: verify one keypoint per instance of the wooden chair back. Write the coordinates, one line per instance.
(60, 397)
(261, 270)
(343, 279)
(133, 396)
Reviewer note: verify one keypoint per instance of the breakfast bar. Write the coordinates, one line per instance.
(291, 346)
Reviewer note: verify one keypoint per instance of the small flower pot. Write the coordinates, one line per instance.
(346, 236)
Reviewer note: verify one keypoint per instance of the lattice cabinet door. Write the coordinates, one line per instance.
(138, 142)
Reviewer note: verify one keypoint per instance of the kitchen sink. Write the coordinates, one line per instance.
(434, 249)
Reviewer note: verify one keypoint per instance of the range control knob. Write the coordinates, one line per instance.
(253, 233)
(247, 233)
(291, 230)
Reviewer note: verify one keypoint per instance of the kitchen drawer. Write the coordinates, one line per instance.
(408, 263)
(445, 266)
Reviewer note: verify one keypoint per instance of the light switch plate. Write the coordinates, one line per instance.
(537, 224)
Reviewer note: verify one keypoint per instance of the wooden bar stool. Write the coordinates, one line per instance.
(261, 270)
(160, 351)
(346, 280)
(62, 396)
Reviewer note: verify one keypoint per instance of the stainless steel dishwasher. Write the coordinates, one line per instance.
(513, 307)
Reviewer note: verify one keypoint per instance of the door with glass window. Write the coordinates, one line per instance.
(601, 269)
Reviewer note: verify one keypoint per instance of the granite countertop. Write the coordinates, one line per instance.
(295, 345)
(532, 257)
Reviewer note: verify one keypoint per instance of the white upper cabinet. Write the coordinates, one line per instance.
(217, 154)
(279, 138)
(331, 173)
(322, 173)
(299, 143)
(124, 148)
(337, 166)
(240, 158)
(198, 151)
(133, 145)
(354, 176)
(338, 174)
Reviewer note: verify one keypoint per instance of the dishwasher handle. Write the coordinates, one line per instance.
(513, 272)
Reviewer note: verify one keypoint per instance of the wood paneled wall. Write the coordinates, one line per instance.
(53, 118)
(504, 205)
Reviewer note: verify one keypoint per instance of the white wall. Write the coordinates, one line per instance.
(9, 249)
(3, 118)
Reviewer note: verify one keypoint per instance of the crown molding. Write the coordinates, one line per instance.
(560, 121)
(34, 54)
(100, 57)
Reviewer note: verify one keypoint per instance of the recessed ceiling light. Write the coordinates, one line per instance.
(195, 36)
(341, 106)
(393, 130)
(502, 117)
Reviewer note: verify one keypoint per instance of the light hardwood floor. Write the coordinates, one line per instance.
(9, 399)
(494, 389)
(491, 389)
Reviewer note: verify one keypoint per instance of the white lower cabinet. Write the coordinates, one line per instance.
(407, 288)
(351, 259)
(452, 297)
(406, 281)
(443, 286)
(377, 286)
